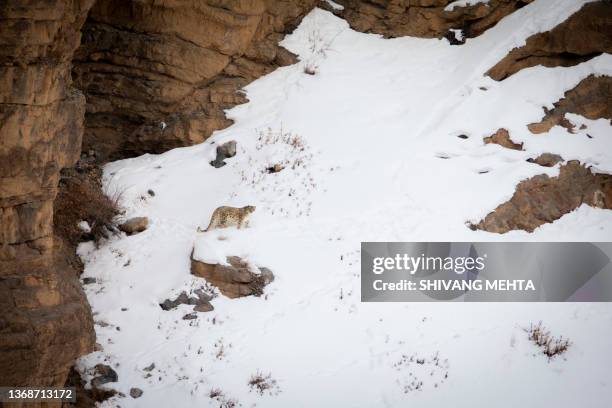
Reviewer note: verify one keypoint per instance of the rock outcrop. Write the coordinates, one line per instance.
(236, 279)
(45, 320)
(135, 225)
(582, 36)
(425, 18)
(546, 160)
(590, 98)
(158, 74)
(543, 199)
(502, 138)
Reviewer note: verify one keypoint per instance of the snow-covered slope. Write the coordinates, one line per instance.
(371, 153)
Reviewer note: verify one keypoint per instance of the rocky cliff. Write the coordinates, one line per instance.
(425, 18)
(158, 74)
(45, 321)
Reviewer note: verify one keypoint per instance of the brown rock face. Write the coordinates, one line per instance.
(45, 321)
(158, 74)
(590, 98)
(233, 280)
(584, 35)
(544, 199)
(502, 138)
(424, 18)
(546, 160)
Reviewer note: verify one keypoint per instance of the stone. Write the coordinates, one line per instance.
(89, 280)
(224, 151)
(106, 375)
(227, 149)
(134, 225)
(190, 316)
(546, 159)
(582, 36)
(150, 367)
(201, 299)
(135, 392)
(204, 307)
(543, 199)
(234, 279)
(502, 138)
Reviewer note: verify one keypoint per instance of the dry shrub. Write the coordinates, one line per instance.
(80, 198)
(263, 384)
(551, 346)
(222, 399)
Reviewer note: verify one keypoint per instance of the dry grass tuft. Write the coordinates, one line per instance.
(80, 198)
(551, 346)
(263, 384)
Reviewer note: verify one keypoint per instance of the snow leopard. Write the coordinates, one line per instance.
(225, 217)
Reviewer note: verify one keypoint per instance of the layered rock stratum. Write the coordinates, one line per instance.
(159, 74)
(425, 18)
(45, 320)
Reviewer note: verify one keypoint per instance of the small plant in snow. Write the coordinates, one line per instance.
(550, 346)
(280, 171)
(422, 371)
(224, 402)
(263, 384)
(319, 48)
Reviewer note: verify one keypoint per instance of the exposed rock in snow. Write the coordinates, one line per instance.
(234, 279)
(578, 39)
(105, 375)
(455, 36)
(546, 160)
(590, 98)
(224, 151)
(201, 301)
(502, 138)
(543, 199)
(134, 225)
(135, 392)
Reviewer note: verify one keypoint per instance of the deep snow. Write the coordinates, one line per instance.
(378, 160)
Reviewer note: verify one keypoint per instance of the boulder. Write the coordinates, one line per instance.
(502, 138)
(134, 225)
(105, 375)
(201, 301)
(546, 159)
(224, 151)
(135, 392)
(236, 279)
